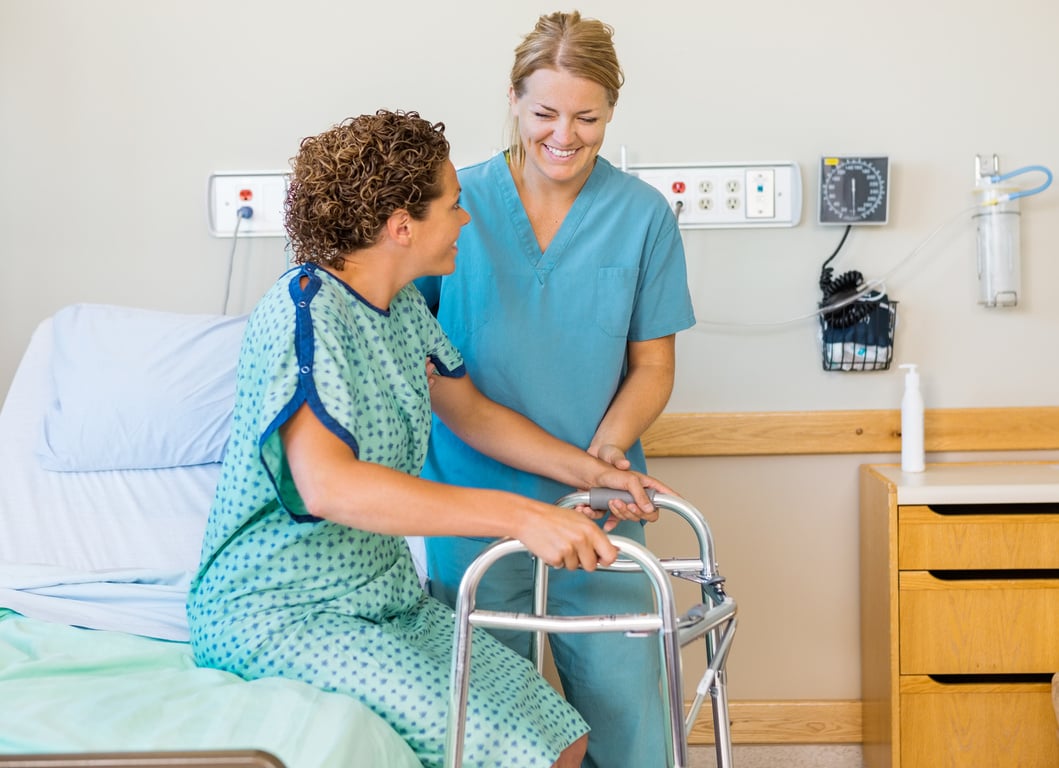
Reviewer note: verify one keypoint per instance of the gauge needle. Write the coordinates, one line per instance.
(853, 193)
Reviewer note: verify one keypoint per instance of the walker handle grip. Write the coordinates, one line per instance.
(599, 498)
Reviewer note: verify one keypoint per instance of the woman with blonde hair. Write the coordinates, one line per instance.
(570, 288)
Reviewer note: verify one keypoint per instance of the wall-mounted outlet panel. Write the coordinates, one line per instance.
(719, 195)
(263, 192)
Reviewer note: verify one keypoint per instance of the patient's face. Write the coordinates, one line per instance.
(437, 233)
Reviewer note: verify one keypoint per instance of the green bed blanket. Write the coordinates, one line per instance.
(65, 689)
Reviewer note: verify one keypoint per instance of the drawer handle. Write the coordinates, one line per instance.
(997, 574)
(1034, 677)
(995, 509)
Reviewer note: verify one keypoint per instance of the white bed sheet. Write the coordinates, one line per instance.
(108, 550)
(132, 600)
(89, 527)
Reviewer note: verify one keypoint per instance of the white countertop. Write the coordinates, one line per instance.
(1001, 483)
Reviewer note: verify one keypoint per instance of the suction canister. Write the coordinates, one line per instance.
(997, 220)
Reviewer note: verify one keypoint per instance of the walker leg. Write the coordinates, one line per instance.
(540, 608)
(722, 729)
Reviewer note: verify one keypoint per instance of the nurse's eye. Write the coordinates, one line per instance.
(543, 116)
(589, 120)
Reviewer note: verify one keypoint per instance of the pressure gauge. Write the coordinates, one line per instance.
(854, 190)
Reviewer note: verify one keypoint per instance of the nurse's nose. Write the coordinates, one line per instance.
(564, 131)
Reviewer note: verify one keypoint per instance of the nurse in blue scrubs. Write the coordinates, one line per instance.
(568, 291)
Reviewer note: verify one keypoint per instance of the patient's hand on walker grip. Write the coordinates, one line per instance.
(562, 538)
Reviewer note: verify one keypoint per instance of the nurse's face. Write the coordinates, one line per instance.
(437, 233)
(562, 120)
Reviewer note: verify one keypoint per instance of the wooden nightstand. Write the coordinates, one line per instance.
(959, 615)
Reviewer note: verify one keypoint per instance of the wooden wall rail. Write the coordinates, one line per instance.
(784, 722)
(827, 432)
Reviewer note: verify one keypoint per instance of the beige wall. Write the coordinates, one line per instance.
(114, 113)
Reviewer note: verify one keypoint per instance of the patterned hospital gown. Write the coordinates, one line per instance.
(282, 593)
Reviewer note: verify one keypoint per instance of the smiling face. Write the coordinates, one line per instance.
(437, 233)
(562, 120)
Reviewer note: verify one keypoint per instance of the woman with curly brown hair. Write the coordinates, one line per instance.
(305, 572)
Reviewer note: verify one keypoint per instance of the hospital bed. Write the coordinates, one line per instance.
(109, 440)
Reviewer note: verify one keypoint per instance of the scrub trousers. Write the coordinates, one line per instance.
(614, 681)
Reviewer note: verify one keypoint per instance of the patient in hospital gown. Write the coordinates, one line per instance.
(305, 572)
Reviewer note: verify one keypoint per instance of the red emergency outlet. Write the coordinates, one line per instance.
(246, 195)
(678, 187)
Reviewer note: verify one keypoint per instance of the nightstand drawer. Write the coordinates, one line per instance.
(977, 626)
(989, 536)
(975, 725)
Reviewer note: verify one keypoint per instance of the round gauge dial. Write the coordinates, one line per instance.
(854, 190)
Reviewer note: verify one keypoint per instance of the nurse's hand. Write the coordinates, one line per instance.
(432, 373)
(611, 454)
(639, 508)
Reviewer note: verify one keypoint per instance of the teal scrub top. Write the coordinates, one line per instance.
(546, 333)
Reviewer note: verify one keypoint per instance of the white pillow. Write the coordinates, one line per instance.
(139, 389)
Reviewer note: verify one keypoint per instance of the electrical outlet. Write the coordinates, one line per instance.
(263, 192)
(720, 195)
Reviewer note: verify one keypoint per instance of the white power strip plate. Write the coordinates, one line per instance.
(263, 192)
(727, 195)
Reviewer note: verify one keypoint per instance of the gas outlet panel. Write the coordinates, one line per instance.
(720, 195)
(264, 193)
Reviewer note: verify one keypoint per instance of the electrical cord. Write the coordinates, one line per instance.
(835, 310)
(244, 212)
(865, 289)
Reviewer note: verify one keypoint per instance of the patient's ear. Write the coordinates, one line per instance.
(399, 226)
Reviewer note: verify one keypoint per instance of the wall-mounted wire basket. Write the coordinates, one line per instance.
(860, 335)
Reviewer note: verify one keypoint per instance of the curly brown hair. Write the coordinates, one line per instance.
(346, 182)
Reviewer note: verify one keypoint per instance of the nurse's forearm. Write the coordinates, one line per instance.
(508, 436)
(642, 396)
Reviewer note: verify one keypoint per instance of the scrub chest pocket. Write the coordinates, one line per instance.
(615, 295)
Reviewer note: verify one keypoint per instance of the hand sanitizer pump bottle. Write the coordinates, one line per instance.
(912, 423)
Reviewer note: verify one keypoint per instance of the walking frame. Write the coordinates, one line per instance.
(714, 619)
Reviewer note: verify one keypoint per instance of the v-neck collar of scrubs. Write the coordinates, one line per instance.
(544, 262)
